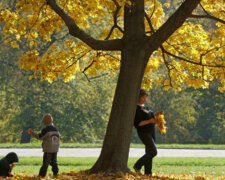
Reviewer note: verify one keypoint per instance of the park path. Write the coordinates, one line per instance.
(134, 152)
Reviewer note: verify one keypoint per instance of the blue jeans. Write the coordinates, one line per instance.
(49, 158)
(150, 152)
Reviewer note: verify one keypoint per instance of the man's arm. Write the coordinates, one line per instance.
(143, 123)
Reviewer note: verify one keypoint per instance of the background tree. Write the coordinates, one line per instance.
(23, 102)
(180, 114)
(147, 41)
(210, 124)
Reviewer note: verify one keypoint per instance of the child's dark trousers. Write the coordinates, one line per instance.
(49, 158)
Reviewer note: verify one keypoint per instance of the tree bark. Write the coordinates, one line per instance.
(174, 22)
(115, 150)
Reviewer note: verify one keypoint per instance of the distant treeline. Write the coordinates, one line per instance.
(81, 108)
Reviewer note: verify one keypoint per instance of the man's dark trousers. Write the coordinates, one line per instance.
(150, 152)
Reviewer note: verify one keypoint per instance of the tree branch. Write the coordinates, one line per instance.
(149, 23)
(149, 19)
(86, 68)
(110, 55)
(99, 76)
(200, 63)
(172, 24)
(74, 30)
(207, 16)
(84, 54)
(193, 62)
(167, 66)
(118, 7)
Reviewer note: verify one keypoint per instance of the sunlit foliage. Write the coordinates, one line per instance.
(193, 55)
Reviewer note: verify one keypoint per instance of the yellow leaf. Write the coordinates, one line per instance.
(6, 42)
(17, 37)
(14, 44)
(31, 44)
(167, 5)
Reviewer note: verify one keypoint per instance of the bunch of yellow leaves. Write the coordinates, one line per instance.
(160, 121)
(29, 131)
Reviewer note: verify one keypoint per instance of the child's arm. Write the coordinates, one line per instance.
(31, 132)
(10, 170)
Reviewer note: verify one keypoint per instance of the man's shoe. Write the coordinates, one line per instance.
(136, 169)
(149, 176)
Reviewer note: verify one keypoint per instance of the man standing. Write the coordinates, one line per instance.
(144, 122)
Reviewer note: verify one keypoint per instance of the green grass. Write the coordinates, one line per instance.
(161, 165)
(89, 145)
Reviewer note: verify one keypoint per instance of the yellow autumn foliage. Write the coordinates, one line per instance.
(34, 21)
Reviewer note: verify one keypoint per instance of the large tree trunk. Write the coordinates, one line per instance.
(114, 155)
(115, 150)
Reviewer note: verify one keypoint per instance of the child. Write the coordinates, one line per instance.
(50, 145)
(7, 164)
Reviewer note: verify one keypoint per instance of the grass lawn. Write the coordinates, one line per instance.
(89, 145)
(161, 165)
